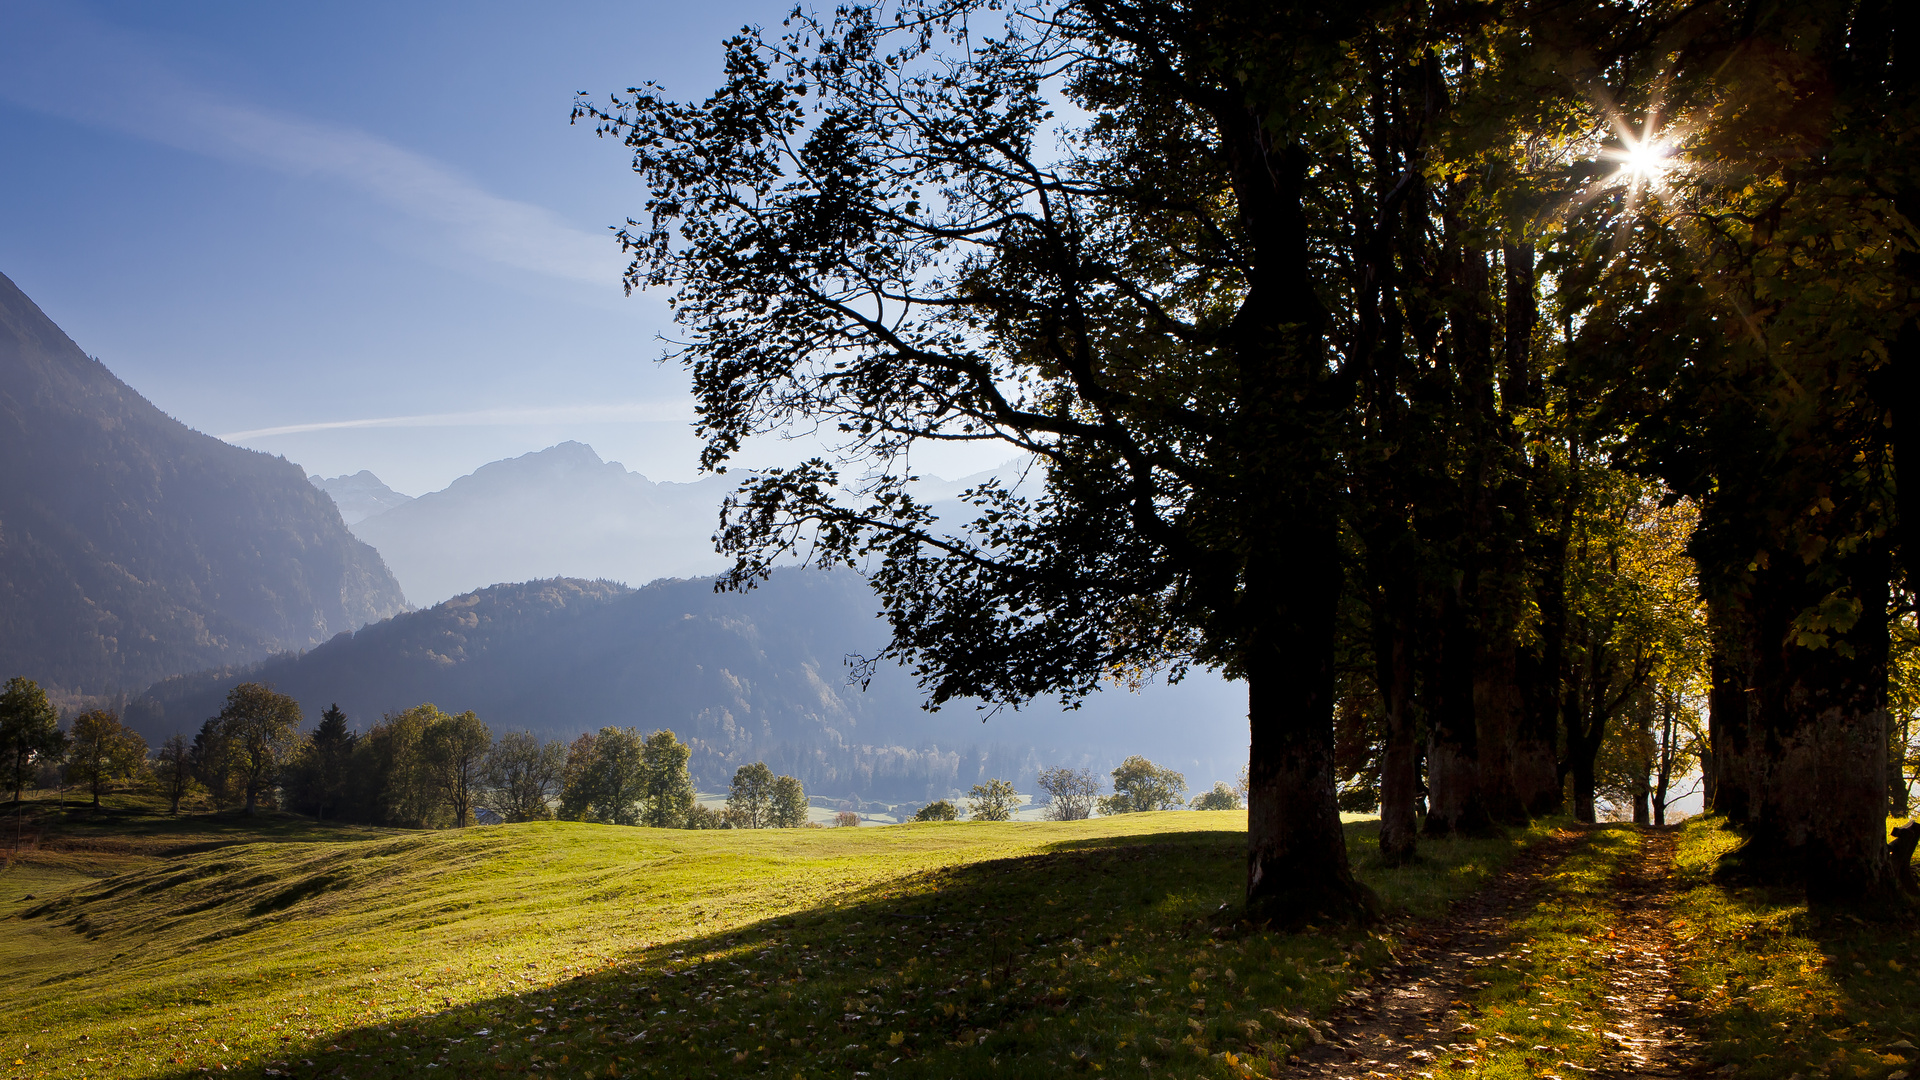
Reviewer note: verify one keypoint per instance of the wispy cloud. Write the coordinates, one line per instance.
(630, 412)
(59, 62)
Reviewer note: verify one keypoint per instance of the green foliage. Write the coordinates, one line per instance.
(940, 810)
(787, 807)
(259, 728)
(173, 771)
(1140, 785)
(667, 795)
(454, 753)
(703, 816)
(1073, 792)
(319, 780)
(29, 732)
(1221, 797)
(605, 778)
(394, 786)
(995, 800)
(100, 750)
(522, 776)
(750, 799)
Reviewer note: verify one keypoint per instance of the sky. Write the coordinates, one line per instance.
(359, 235)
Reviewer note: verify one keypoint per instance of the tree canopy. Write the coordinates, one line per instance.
(1463, 378)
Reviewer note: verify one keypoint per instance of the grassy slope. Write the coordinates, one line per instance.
(1783, 990)
(939, 949)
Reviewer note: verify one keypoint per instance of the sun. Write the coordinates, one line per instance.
(1646, 161)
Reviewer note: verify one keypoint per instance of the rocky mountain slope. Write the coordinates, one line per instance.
(133, 548)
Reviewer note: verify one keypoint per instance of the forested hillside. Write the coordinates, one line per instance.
(133, 548)
(740, 677)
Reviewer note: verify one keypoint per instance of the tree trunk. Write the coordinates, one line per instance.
(1582, 772)
(1453, 770)
(1822, 731)
(1297, 868)
(1728, 730)
(1394, 671)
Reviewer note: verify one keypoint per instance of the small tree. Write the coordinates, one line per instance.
(456, 748)
(751, 796)
(706, 817)
(1139, 784)
(666, 795)
(522, 776)
(260, 727)
(846, 819)
(173, 770)
(938, 811)
(100, 750)
(29, 732)
(1073, 792)
(994, 800)
(787, 809)
(212, 762)
(1221, 797)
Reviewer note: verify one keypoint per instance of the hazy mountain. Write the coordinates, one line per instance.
(133, 548)
(559, 512)
(359, 496)
(760, 675)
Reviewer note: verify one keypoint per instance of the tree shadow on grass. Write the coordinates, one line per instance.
(1109, 953)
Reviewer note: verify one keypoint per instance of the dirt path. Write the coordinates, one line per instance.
(1410, 1020)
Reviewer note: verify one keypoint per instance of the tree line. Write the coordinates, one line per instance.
(1491, 387)
(1073, 794)
(419, 768)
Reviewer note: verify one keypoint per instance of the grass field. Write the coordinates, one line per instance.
(137, 946)
(1782, 989)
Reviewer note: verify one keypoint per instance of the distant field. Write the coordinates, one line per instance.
(284, 948)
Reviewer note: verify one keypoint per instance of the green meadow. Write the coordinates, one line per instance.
(137, 945)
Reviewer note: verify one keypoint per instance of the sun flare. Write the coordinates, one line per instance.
(1645, 162)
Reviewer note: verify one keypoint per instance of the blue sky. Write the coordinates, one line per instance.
(272, 216)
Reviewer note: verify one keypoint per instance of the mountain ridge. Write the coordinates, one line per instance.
(749, 676)
(133, 547)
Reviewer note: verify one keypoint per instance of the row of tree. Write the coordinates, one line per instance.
(1477, 381)
(421, 768)
(1074, 794)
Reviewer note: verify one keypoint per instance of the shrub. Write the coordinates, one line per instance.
(994, 800)
(706, 817)
(1139, 784)
(938, 811)
(1072, 791)
(1221, 797)
(846, 819)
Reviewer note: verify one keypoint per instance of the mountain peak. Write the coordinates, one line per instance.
(360, 495)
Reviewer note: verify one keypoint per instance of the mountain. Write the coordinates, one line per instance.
(749, 676)
(133, 547)
(561, 511)
(359, 496)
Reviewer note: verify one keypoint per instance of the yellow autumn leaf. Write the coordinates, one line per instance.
(896, 1038)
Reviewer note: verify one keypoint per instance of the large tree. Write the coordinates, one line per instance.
(454, 748)
(877, 230)
(29, 732)
(260, 728)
